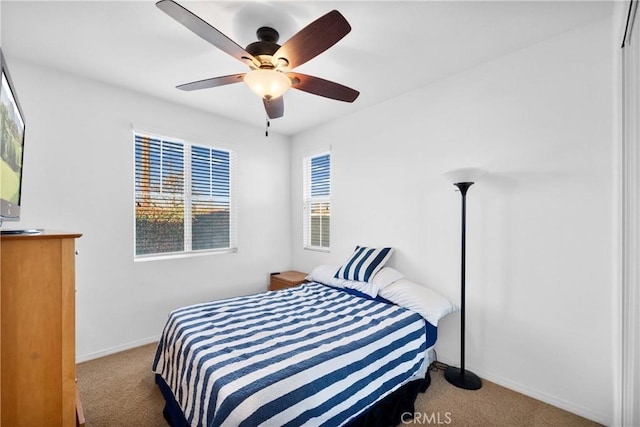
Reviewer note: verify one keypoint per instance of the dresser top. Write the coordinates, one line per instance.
(41, 234)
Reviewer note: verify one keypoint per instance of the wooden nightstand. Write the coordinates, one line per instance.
(286, 279)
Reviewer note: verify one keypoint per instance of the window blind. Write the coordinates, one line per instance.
(183, 197)
(159, 196)
(210, 198)
(317, 201)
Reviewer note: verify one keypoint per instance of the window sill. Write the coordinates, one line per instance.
(317, 249)
(178, 255)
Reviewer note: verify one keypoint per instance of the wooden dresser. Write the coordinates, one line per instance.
(37, 341)
(286, 279)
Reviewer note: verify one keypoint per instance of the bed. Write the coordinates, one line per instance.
(312, 355)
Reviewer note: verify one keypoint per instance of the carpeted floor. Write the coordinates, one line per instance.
(119, 390)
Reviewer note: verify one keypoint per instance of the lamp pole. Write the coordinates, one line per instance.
(459, 376)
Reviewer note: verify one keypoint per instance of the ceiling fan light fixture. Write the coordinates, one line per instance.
(267, 83)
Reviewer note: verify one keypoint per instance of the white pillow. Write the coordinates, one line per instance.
(424, 301)
(323, 274)
(368, 288)
(386, 276)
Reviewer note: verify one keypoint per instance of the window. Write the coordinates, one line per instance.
(183, 198)
(317, 201)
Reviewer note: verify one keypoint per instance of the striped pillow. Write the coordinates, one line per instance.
(364, 263)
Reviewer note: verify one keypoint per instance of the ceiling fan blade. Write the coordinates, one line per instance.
(212, 82)
(274, 107)
(322, 87)
(205, 30)
(313, 39)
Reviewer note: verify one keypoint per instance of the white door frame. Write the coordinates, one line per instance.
(629, 405)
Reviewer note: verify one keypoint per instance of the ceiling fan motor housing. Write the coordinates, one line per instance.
(265, 47)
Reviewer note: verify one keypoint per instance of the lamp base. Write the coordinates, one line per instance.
(463, 379)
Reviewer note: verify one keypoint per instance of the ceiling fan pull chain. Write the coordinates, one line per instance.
(266, 129)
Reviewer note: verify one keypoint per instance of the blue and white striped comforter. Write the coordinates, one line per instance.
(309, 355)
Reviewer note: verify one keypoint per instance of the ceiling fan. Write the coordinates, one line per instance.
(271, 63)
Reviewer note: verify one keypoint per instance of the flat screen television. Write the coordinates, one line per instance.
(11, 147)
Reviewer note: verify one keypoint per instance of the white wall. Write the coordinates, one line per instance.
(78, 176)
(539, 242)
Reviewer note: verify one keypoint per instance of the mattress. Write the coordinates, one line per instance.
(308, 355)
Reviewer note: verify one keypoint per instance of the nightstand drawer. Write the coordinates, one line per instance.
(286, 279)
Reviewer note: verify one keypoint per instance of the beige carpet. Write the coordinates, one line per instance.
(119, 390)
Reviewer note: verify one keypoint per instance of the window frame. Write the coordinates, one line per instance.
(186, 194)
(308, 199)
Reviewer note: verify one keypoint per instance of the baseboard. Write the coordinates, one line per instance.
(116, 349)
(535, 394)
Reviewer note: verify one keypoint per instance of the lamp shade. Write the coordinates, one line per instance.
(456, 176)
(267, 83)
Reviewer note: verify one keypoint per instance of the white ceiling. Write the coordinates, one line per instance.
(393, 47)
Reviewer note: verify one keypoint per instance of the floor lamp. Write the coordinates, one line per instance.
(460, 377)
